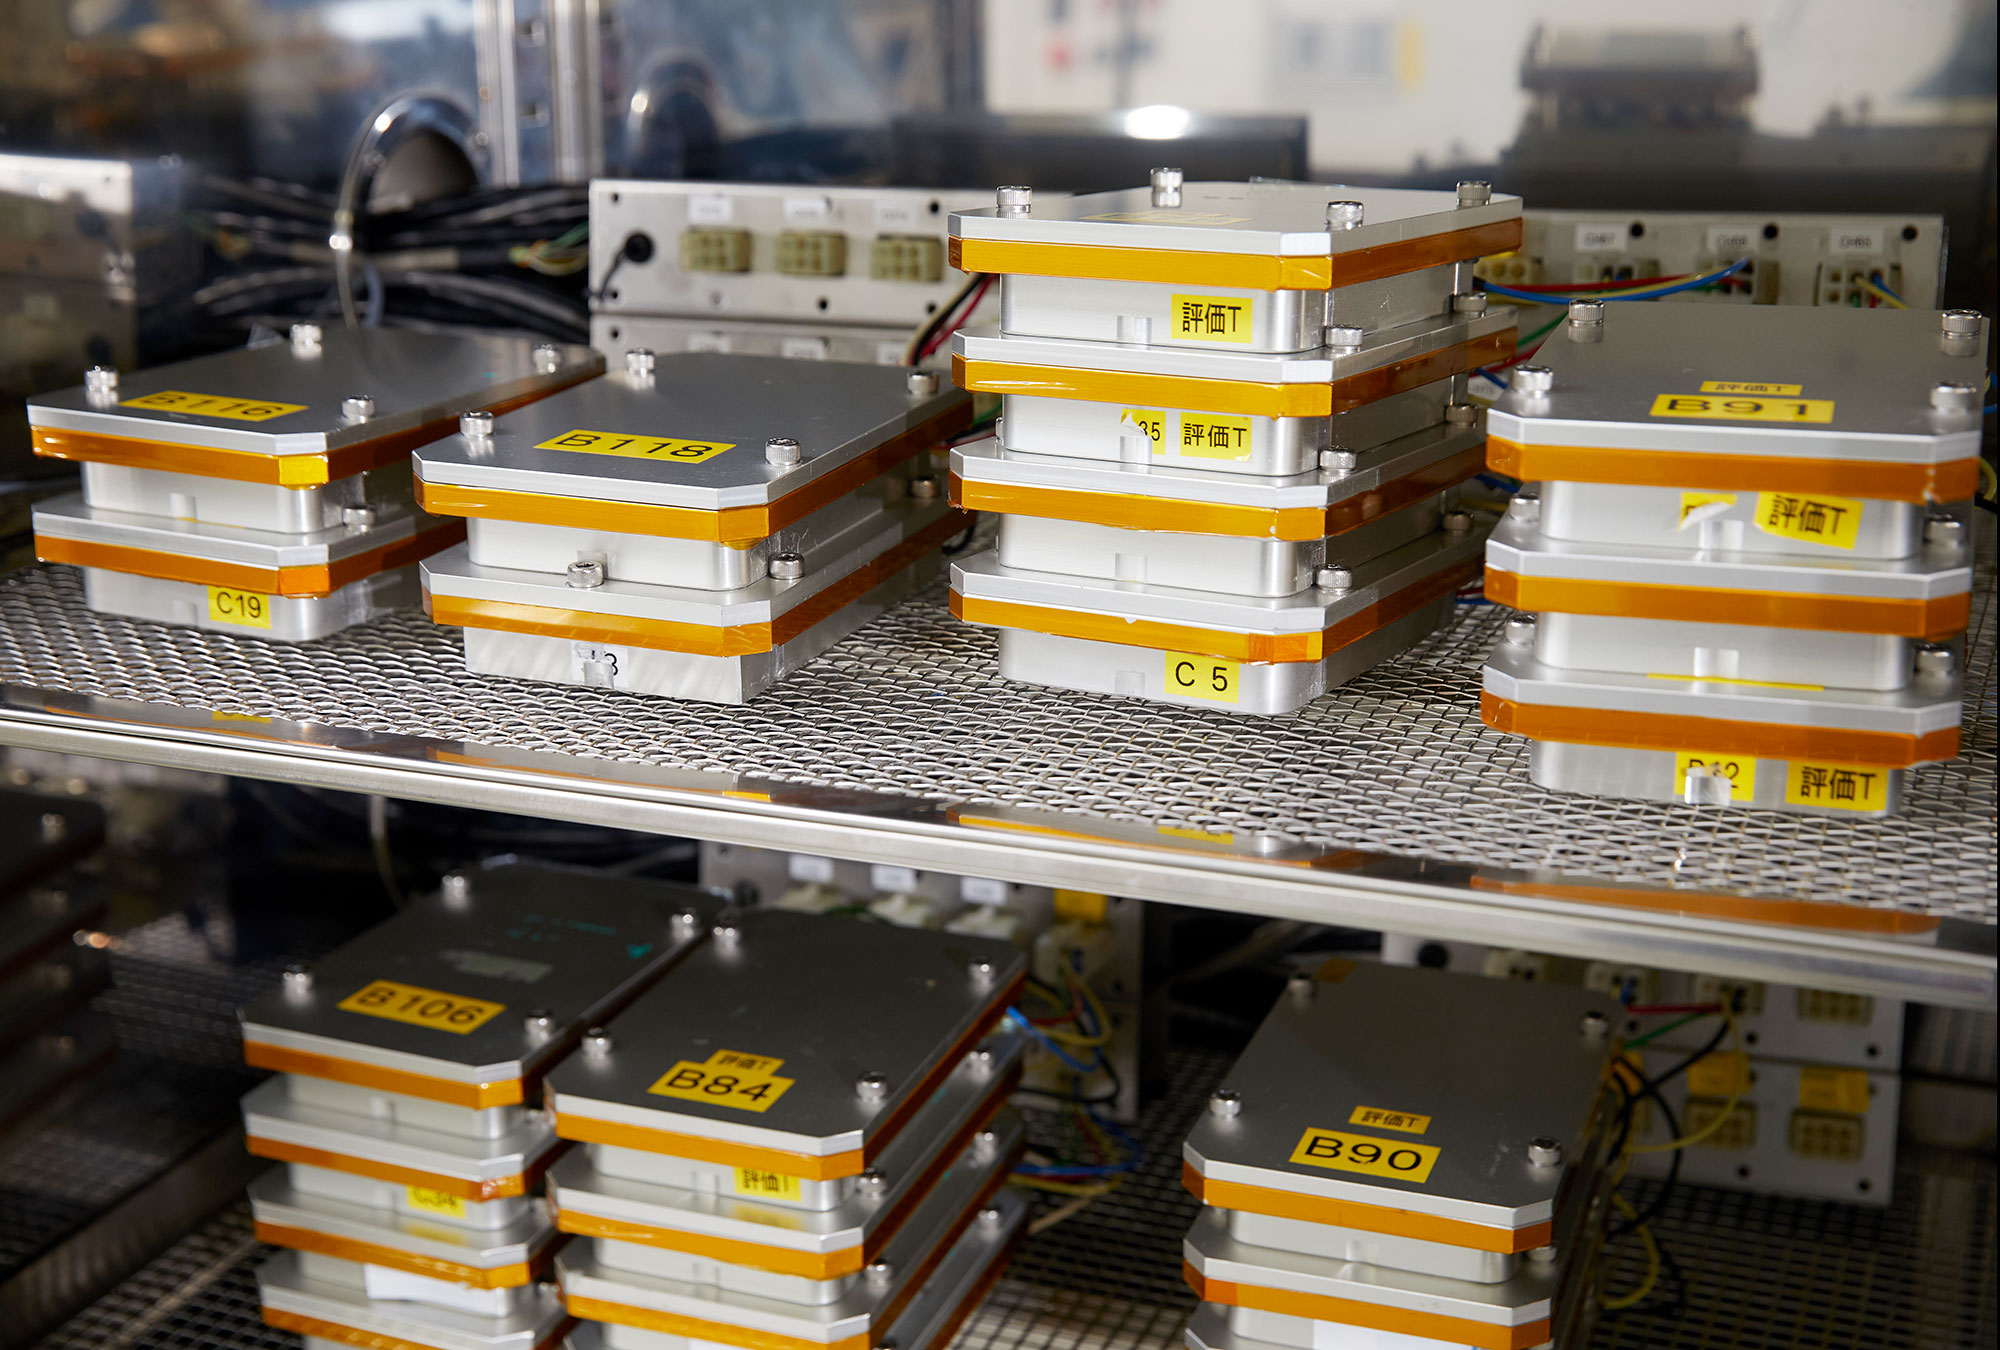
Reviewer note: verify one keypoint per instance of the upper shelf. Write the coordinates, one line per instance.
(1385, 805)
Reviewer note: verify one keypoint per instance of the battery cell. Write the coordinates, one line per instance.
(1659, 648)
(249, 506)
(1795, 527)
(1798, 787)
(329, 1301)
(1243, 266)
(294, 415)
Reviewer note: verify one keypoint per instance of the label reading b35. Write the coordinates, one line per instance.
(1358, 1153)
(1211, 318)
(1844, 787)
(729, 1078)
(1204, 677)
(1740, 770)
(241, 609)
(417, 1007)
(762, 1185)
(1816, 519)
(1743, 408)
(636, 447)
(211, 405)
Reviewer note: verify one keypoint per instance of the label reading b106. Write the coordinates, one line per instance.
(417, 1007)
(1391, 1158)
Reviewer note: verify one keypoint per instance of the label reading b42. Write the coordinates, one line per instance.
(636, 447)
(421, 1007)
(1740, 770)
(1211, 318)
(728, 1078)
(1358, 1153)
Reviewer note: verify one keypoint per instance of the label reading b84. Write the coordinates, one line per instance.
(1204, 677)
(421, 1007)
(729, 1078)
(636, 447)
(1358, 1153)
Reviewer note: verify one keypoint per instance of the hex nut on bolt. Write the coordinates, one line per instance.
(100, 380)
(597, 1042)
(1471, 304)
(1301, 986)
(1345, 337)
(872, 1181)
(1336, 579)
(455, 887)
(1544, 1151)
(782, 451)
(1520, 630)
(1474, 192)
(1596, 1025)
(538, 1024)
(1944, 531)
(728, 934)
(1524, 508)
(357, 517)
(986, 1146)
(306, 339)
(548, 356)
(1339, 461)
(1014, 200)
(1534, 379)
(1225, 1102)
(1957, 398)
(921, 383)
(584, 575)
(640, 362)
(1461, 414)
(787, 566)
(1344, 215)
(990, 1217)
(476, 426)
(54, 826)
(358, 408)
(1456, 522)
(871, 1087)
(982, 972)
(297, 979)
(924, 488)
(878, 1273)
(1935, 661)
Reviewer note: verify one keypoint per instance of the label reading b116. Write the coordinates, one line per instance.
(728, 1078)
(1391, 1158)
(417, 1007)
(212, 405)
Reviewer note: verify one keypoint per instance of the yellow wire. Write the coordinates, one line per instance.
(1652, 1247)
(1882, 295)
(1061, 1187)
(1737, 1085)
(1081, 990)
(1989, 480)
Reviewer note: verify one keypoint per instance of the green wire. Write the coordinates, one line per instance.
(1638, 1041)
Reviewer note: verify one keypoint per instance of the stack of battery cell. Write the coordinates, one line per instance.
(696, 526)
(266, 491)
(1404, 1158)
(409, 1062)
(1747, 573)
(1233, 416)
(798, 1141)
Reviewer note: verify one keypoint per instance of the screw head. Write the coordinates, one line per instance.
(1014, 200)
(1533, 379)
(538, 1024)
(1338, 580)
(983, 972)
(1960, 323)
(640, 363)
(54, 826)
(1935, 661)
(921, 383)
(585, 574)
(477, 426)
(878, 1273)
(1584, 313)
(986, 1146)
(1472, 304)
(1474, 192)
(357, 408)
(787, 566)
(1956, 398)
(456, 888)
(297, 979)
(1344, 215)
(924, 488)
(728, 934)
(1344, 337)
(1226, 1103)
(1301, 986)
(871, 1087)
(1545, 1151)
(306, 339)
(1944, 531)
(1524, 508)
(990, 1217)
(783, 451)
(1596, 1025)
(1520, 630)
(1339, 461)
(357, 517)
(1456, 522)
(548, 357)
(1461, 414)
(872, 1182)
(100, 380)
(597, 1043)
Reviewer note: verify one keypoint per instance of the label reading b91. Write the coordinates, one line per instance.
(1742, 408)
(625, 446)
(1359, 1153)
(417, 1007)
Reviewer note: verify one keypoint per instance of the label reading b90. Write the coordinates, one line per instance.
(421, 1007)
(1359, 1153)
(1204, 677)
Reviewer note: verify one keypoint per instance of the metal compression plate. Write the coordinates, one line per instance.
(1766, 380)
(693, 433)
(809, 1035)
(1415, 1089)
(273, 399)
(39, 834)
(68, 518)
(1278, 219)
(453, 986)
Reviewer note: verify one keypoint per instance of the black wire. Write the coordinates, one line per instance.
(1647, 1088)
(939, 319)
(597, 295)
(951, 550)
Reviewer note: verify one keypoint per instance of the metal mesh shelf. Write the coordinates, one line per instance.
(1759, 1273)
(903, 732)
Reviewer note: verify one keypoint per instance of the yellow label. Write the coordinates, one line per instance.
(762, 1185)
(1730, 679)
(636, 447)
(1845, 787)
(1750, 387)
(1151, 421)
(1203, 677)
(1374, 1116)
(1691, 500)
(1212, 436)
(1717, 1075)
(212, 405)
(1841, 1090)
(1081, 906)
(1358, 1153)
(244, 609)
(729, 1078)
(1740, 770)
(421, 1007)
(1743, 408)
(435, 1202)
(1211, 318)
(1210, 836)
(219, 716)
(1832, 521)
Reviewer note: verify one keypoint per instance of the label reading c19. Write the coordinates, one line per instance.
(435, 1202)
(728, 1078)
(762, 1185)
(1211, 318)
(240, 609)
(1743, 408)
(1843, 787)
(1816, 519)
(212, 405)
(1359, 1153)
(661, 448)
(1209, 678)
(1740, 770)
(418, 1007)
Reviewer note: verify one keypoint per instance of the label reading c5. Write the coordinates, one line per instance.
(210, 405)
(762, 1185)
(1358, 1153)
(1210, 318)
(1832, 521)
(417, 1007)
(1844, 787)
(241, 609)
(1743, 408)
(435, 1202)
(1204, 677)
(1740, 770)
(728, 1078)
(1376, 1118)
(636, 447)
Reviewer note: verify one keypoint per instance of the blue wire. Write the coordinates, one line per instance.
(1691, 284)
(1497, 379)
(1883, 287)
(1034, 1033)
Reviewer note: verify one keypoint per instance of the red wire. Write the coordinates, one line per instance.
(950, 326)
(1647, 1009)
(1593, 285)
